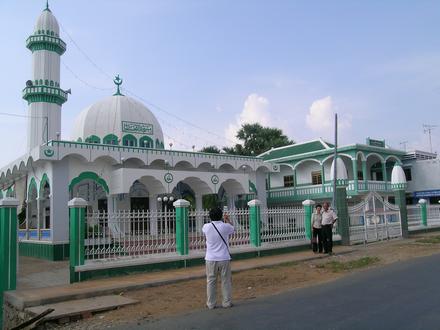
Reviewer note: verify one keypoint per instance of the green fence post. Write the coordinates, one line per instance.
(77, 232)
(342, 209)
(8, 248)
(399, 185)
(308, 211)
(182, 242)
(255, 222)
(423, 212)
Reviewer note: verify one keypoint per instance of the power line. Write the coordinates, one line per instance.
(82, 80)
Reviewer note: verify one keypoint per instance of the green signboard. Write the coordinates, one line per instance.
(137, 128)
(376, 143)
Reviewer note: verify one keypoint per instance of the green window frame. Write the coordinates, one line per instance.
(146, 142)
(129, 140)
(93, 139)
(110, 139)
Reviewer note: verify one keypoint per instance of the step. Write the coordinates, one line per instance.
(87, 306)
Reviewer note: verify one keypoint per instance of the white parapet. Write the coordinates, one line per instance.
(9, 202)
(181, 203)
(308, 202)
(254, 202)
(77, 202)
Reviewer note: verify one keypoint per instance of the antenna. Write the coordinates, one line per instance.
(428, 129)
(403, 144)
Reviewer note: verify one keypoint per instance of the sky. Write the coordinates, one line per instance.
(205, 67)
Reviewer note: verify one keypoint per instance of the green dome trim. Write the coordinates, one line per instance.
(44, 94)
(46, 42)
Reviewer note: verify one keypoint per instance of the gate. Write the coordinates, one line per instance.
(374, 219)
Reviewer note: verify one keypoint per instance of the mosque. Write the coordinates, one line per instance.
(115, 159)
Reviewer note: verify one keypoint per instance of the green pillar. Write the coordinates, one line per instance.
(182, 242)
(342, 210)
(364, 172)
(308, 211)
(8, 248)
(323, 178)
(400, 197)
(423, 212)
(355, 175)
(384, 173)
(77, 232)
(255, 222)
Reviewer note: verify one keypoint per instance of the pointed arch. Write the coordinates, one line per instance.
(91, 176)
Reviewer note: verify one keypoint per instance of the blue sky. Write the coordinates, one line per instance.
(221, 63)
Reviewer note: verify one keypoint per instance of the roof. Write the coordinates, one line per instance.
(296, 149)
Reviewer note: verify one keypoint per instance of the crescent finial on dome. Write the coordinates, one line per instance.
(118, 82)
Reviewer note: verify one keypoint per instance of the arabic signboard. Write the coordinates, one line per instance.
(137, 128)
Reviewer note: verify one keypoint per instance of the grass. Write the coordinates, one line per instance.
(429, 240)
(338, 266)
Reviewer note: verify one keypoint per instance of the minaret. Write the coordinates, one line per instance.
(43, 92)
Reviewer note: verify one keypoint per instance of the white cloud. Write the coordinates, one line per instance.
(320, 118)
(255, 110)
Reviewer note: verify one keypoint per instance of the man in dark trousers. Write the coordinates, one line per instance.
(329, 218)
(218, 259)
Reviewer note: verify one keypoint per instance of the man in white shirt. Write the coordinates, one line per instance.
(218, 259)
(329, 218)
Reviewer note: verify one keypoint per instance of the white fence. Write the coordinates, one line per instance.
(280, 225)
(240, 238)
(129, 234)
(414, 217)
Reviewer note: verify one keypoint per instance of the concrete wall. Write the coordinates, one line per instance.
(425, 175)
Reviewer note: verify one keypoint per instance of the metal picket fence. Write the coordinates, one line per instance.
(282, 224)
(240, 238)
(129, 234)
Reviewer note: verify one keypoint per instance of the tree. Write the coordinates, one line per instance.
(257, 139)
(211, 149)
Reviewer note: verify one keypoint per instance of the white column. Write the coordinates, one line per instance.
(111, 203)
(39, 216)
(199, 210)
(231, 201)
(28, 214)
(153, 218)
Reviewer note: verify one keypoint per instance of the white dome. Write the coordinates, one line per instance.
(120, 117)
(398, 175)
(341, 170)
(47, 22)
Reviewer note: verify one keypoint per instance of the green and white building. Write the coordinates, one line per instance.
(305, 171)
(115, 158)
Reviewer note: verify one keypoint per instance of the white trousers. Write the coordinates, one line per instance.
(213, 269)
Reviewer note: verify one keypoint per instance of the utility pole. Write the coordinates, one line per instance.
(428, 129)
(403, 144)
(335, 156)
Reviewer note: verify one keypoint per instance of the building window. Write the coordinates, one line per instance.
(408, 174)
(129, 141)
(146, 142)
(360, 175)
(288, 181)
(93, 139)
(110, 139)
(316, 177)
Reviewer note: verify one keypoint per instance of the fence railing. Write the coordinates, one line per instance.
(282, 224)
(433, 213)
(414, 217)
(129, 234)
(240, 238)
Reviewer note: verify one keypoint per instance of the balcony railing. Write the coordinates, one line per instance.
(324, 190)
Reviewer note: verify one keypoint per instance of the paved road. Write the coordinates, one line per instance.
(400, 296)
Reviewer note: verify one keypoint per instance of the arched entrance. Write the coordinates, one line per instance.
(92, 188)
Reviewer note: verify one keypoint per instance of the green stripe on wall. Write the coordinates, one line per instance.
(52, 252)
